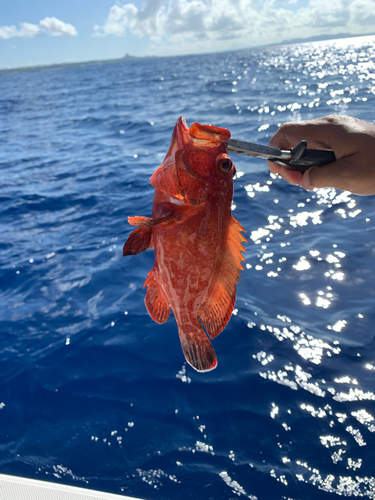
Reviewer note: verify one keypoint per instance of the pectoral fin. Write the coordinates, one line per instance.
(141, 239)
(149, 221)
(219, 307)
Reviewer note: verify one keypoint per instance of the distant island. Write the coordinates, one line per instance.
(128, 58)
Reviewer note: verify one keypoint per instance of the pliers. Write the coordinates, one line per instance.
(299, 158)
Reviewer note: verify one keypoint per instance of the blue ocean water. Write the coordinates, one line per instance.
(93, 393)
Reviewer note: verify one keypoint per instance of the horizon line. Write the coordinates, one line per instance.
(127, 57)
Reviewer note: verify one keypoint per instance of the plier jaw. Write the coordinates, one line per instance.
(298, 158)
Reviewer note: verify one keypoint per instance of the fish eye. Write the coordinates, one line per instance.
(224, 163)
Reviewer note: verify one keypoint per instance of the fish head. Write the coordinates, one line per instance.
(196, 164)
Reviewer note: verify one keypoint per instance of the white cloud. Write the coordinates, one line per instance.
(26, 30)
(146, 22)
(362, 12)
(198, 25)
(159, 18)
(55, 27)
(47, 26)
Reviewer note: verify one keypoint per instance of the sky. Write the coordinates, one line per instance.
(39, 32)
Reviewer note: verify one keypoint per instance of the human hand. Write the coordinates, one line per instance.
(353, 142)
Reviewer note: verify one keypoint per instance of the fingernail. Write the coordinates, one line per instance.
(274, 169)
(306, 184)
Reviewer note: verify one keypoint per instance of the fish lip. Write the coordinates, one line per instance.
(180, 137)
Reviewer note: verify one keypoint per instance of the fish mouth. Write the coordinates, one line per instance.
(208, 135)
(180, 137)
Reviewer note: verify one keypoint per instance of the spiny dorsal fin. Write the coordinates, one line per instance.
(217, 312)
(156, 301)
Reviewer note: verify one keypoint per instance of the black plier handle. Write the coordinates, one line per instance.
(299, 158)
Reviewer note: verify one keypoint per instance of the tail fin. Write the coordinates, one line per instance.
(198, 350)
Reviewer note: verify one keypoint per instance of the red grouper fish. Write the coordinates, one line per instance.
(197, 241)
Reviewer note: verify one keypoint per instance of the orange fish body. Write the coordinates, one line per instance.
(197, 242)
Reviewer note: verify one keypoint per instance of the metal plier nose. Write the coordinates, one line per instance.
(299, 158)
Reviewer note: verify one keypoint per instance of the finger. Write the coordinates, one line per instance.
(305, 182)
(281, 138)
(274, 167)
(323, 133)
(342, 174)
(292, 176)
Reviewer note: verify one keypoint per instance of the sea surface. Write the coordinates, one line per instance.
(95, 394)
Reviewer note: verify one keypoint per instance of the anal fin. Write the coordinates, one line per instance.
(156, 300)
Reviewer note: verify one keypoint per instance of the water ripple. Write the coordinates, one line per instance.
(88, 382)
